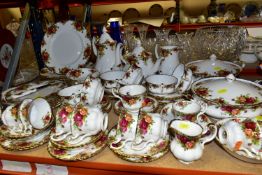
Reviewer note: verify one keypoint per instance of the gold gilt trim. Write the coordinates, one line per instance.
(93, 139)
(33, 145)
(145, 159)
(80, 156)
(5, 132)
(141, 158)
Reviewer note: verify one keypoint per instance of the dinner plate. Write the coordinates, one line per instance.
(65, 46)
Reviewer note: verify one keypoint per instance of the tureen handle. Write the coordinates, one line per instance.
(230, 78)
(240, 63)
(213, 57)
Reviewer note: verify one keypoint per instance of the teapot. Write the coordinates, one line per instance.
(170, 59)
(189, 139)
(108, 53)
(144, 60)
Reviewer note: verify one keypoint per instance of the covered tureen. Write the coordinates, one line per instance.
(229, 96)
(213, 67)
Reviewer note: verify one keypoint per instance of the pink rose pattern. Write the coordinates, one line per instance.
(186, 142)
(125, 122)
(80, 116)
(64, 114)
(145, 123)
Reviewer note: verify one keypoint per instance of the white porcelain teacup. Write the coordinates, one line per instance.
(93, 91)
(87, 121)
(71, 94)
(126, 128)
(188, 109)
(64, 116)
(39, 113)
(133, 75)
(110, 78)
(241, 134)
(132, 96)
(150, 128)
(11, 119)
(81, 74)
(161, 84)
(23, 115)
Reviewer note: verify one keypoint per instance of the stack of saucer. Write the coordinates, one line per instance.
(26, 125)
(80, 132)
(138, 136)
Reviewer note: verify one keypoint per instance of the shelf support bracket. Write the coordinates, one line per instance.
(17, 49)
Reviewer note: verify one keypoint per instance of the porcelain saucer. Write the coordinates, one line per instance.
(65, 144)
(150, 105)
(150, 153)
(9, 134)
(165, 98)
(80, 153)
(25, 143)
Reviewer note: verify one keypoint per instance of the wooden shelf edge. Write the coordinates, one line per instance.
(110, 166)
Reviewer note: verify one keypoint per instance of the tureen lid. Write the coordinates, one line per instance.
(213, 67)
(228, 90)
(105, 37)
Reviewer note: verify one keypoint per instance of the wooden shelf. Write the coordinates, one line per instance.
(12, 3)
(214, 161)
(110, 2)
(181, 27)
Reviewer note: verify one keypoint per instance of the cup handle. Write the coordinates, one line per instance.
(104, 123)
(79, 138)
(123, 142)
(114, 91)
(59, 137)
(213, 128)
(141, 145)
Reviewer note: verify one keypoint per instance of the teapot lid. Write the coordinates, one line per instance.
(228, 90)
(213, 67)
(105, 37)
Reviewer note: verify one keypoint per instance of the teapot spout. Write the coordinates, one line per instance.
(94, 46)
(157, 65)
(119, 49)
